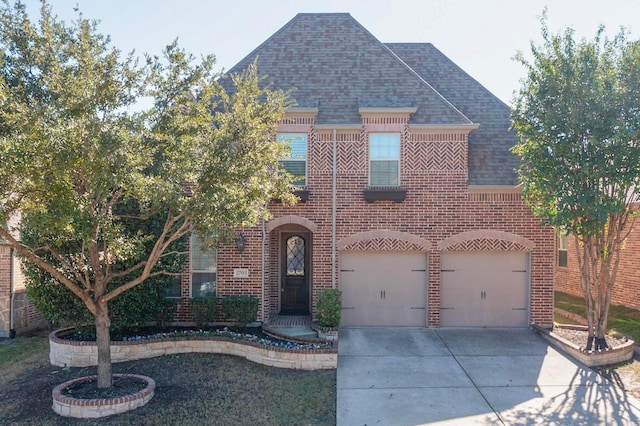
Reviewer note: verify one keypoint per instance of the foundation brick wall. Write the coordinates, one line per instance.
(438, 205)
(626, 290)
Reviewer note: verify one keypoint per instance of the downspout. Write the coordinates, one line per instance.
(334, 211)
(264, 239)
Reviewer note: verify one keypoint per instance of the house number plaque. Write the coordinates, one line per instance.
(241, 273)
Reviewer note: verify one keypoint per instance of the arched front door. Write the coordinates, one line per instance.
(295, 273)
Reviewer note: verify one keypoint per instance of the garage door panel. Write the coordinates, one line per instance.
(383, 288)
(484, 289)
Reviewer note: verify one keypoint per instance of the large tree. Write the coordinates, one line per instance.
(75, 149)
(577, 115)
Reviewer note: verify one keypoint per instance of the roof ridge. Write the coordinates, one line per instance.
(442, 55)
(445, 100)
(416, 74)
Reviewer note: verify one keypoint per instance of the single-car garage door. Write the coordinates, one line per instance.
(484, 289)
(383, 288)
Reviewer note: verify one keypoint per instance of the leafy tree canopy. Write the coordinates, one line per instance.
(79, 164)
(578, 118)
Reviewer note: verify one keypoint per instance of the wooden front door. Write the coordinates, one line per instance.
(295, 274)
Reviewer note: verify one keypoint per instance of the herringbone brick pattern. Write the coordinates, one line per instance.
(485, 244)
(384, 244)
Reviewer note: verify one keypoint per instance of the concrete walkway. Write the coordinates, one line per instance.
(413, 376)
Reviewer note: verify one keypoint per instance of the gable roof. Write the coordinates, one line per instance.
(333, 63)
(490, 159)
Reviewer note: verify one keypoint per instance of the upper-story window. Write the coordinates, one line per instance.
(384, 159)
(562, 249)
(204, 267)
(296, 162)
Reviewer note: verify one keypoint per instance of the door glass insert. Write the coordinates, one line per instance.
(295, 256)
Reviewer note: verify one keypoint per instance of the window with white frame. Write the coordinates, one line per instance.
(562, 249)
(384, 159)
(296, 162)
(203, 269)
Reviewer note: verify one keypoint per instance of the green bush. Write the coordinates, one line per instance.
(203, 310)
(167, 312)
(329, 308)
(134, 308)
(241, 309)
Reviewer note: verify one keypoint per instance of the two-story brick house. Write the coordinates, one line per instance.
(409, 202)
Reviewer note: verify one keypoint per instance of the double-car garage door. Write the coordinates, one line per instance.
(478, 289)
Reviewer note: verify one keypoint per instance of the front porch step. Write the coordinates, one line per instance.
(294, 332)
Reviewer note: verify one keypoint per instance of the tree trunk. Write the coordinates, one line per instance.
(103, 342)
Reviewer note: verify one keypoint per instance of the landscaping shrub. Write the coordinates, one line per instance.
(203, 310)
(167, 312)
(131, 309)
(240, 309)
(329, 308)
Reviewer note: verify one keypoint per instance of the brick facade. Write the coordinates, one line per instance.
(626, 290)
(457, 188)
(440, 212)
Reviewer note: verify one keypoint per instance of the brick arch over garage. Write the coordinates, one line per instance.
(486, 240)
(384, 240)
(289, 220)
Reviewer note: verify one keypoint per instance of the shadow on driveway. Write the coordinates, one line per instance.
(410, 376)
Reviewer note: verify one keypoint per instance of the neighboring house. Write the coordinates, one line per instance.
(16, 312)
(409, 202)
(626, 290)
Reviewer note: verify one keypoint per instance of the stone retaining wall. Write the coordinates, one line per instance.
(619, 354)
(83, 354)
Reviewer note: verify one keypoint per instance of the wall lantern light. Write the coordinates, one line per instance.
(240, 242)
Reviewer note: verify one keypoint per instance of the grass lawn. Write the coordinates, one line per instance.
(191, 389)
(621, 319)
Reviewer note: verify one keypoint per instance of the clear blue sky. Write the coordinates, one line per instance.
(481, 36)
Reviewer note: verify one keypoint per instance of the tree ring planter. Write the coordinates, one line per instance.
(615, 355)
(68, 406)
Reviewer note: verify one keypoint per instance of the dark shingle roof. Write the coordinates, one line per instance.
(334, 64)
(490, 159)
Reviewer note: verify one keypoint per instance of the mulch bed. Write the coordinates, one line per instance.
(120, 387)
(579, 337)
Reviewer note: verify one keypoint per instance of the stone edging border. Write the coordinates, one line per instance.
(68, 353)
(619, 354)
(68, 406)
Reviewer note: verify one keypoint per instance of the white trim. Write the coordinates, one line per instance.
(385, 159)
(306, 154)
(444, 127)
(394, 111)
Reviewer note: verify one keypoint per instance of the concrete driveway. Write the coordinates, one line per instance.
(413, 376)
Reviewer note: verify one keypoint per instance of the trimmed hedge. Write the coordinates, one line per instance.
(242, 310)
